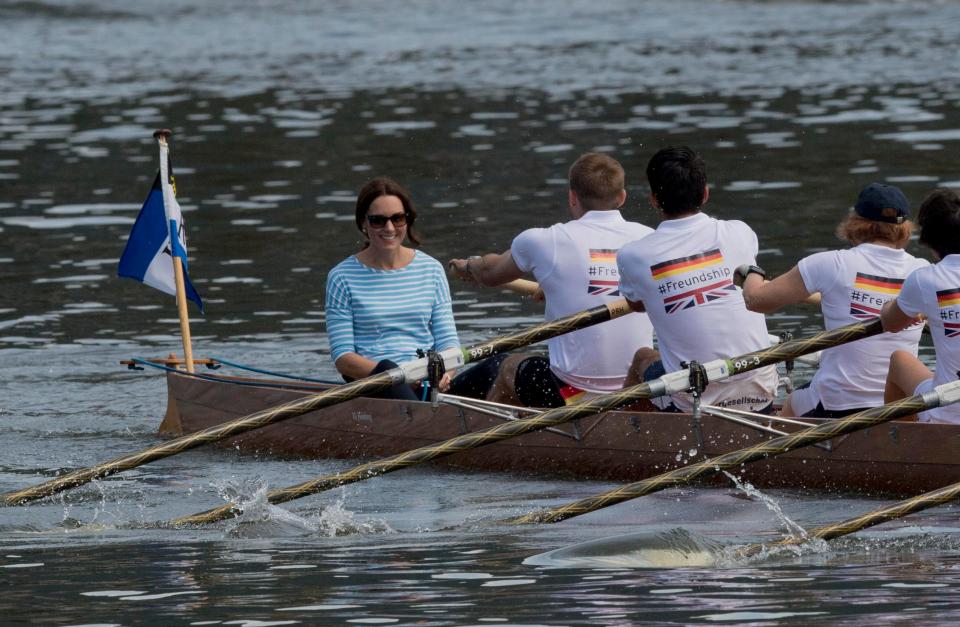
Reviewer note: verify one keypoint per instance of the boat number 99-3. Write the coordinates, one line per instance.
(740, 364)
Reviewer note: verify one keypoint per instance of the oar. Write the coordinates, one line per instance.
(408, 372)
(942, 395)
(524, 287)
(859, 523)
(668, 384)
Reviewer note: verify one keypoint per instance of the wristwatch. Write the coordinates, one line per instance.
(467, 266)
(742, 272)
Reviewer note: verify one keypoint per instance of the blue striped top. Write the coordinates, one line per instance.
(389, 314)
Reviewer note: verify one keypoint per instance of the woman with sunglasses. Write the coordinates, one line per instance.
(388, 300)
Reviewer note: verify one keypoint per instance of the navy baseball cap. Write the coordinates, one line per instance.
(883, 203)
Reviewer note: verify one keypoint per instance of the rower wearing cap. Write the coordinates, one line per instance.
(854, 285)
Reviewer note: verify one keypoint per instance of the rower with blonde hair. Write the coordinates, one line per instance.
(575, 264)
(854, 285)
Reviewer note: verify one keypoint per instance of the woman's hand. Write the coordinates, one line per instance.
(444, 384)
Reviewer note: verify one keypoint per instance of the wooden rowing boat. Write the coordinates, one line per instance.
(900, 458)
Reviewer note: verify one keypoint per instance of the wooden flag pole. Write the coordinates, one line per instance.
(162, 135)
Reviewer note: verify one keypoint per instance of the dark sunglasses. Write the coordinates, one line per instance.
(378, 222)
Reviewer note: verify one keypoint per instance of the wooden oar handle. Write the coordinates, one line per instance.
(524, 287)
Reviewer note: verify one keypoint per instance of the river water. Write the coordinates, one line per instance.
(280, 110)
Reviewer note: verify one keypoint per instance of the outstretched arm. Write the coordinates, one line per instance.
(894, 319)
(769, 296)
(491, 269)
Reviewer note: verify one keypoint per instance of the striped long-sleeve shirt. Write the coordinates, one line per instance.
(389, 314)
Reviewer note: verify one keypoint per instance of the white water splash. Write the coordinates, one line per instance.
(805, 545)
(794, 529)
(260, 518)
(336, 520)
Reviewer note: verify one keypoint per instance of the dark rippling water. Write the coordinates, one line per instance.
(280, 111)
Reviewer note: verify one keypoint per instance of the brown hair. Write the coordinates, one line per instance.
(859, 230)
(597, 180)
(385, 186)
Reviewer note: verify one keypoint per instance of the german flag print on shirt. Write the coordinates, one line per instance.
(686, 264)
(871, 283)
(946, 298)
(603, 255)
(949, 298)
(866, 306)
(604, 279)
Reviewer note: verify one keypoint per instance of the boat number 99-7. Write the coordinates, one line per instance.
(480, 352)
(740, 364)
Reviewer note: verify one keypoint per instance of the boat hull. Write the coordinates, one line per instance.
(899, 458)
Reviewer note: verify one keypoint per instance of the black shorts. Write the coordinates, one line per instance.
(537, 386)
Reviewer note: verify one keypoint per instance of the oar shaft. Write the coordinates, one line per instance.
(859, 523)
(899, 510)
(363, 387)
(423, 454)
(298, 407)
(771, 448)
(547, 330)
(666, 385)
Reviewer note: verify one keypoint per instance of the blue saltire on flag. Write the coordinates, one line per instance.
(148, 255)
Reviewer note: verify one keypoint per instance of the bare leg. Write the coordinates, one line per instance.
(642, 359)
(787, 409)
(503, 389)
(905, 374)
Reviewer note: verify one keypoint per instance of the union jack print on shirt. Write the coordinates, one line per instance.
(603, 263)
(885, 286)
(946, 299)
(698, 296)
(596, 287)
(862, 312)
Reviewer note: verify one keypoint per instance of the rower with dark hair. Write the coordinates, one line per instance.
(682, 276)
(931, 293)
(854, 284)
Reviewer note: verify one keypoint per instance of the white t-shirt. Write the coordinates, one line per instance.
(683, 273)
(935, 291)
(854, 285)
(575, 263)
